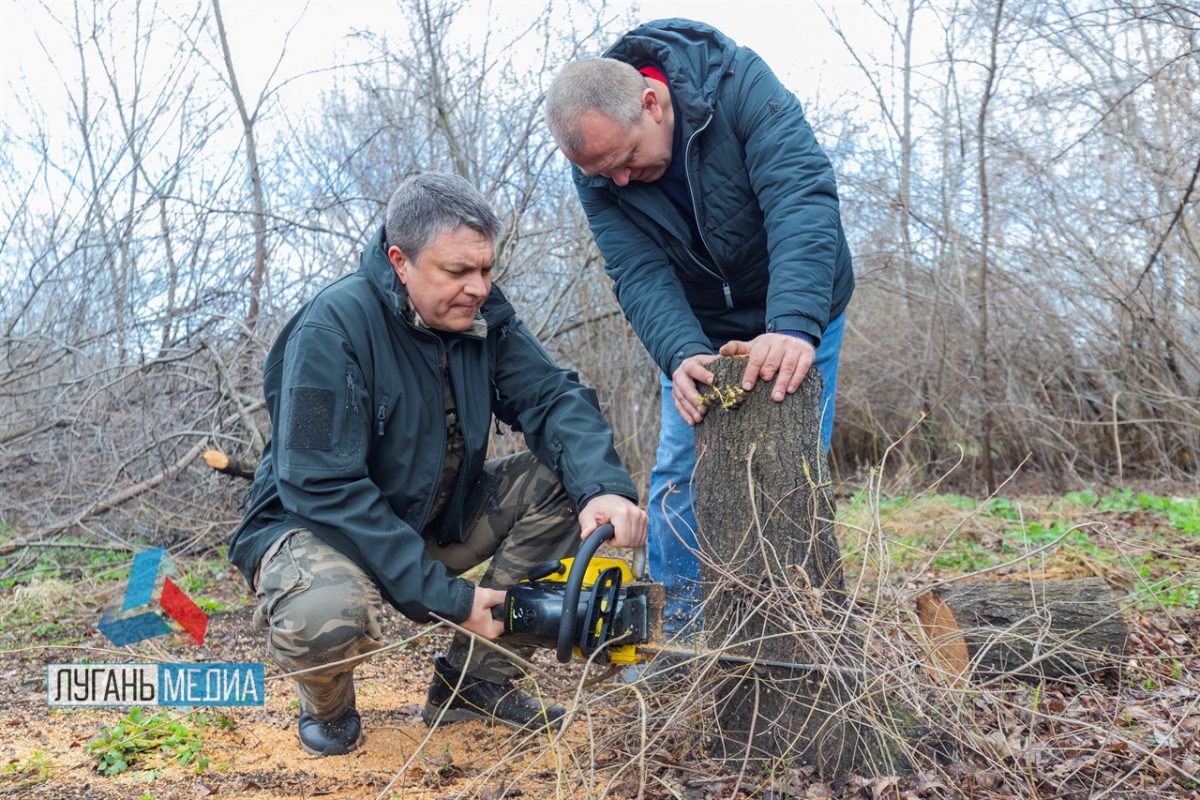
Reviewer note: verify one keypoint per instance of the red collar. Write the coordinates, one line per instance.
(655, 73)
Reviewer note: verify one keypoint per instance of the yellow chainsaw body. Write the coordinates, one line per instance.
(624, 654)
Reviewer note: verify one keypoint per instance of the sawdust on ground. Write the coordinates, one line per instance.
(256, 754)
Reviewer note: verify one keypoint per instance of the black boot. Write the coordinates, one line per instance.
(332, 737)
(484, 700)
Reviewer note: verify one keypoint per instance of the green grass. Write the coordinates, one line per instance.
(1165, 582)
(141, 737)
(1038, 534)
(1136, 533)
(1003, 508)
(44, 609)
(199, 577)
(63, 563)
(53, 603)
(31, 771)
(964, 557)
(1181, 513)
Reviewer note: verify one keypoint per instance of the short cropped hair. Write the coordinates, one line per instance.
(605, 85)
(432, 203)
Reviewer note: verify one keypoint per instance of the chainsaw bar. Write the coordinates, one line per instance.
(649, 652)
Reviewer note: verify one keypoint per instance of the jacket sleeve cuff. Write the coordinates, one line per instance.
(596, 489)
(796, 323)
(686, 351)
(455, 605)
(462, 595)
(801, 335)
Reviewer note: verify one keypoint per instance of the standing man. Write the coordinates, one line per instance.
(716, 212)
(375, 486)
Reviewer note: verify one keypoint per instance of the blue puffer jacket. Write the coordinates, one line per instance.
(766, 204)
(355, 394)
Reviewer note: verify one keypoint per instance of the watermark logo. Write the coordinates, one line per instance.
(141, 615)
(200, 684)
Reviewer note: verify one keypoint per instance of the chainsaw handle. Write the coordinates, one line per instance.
(568, 626)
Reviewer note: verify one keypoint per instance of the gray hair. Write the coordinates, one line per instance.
(432, 203)
(605, 85)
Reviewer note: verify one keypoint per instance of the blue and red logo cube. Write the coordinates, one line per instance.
(147, 606)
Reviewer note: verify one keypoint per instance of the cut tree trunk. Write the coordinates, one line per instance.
(773, 590)
(1026, 629)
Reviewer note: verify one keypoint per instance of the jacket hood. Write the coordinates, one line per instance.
(375, 265)
(694, 56)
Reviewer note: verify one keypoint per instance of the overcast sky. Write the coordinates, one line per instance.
(791, 35)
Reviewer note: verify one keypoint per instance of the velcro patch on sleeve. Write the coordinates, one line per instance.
(310, 422)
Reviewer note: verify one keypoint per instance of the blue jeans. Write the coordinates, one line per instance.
(672, 540)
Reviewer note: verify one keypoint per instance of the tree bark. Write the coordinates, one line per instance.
(983, 344)
(1024, 629)
(259, 273)
(773, 589)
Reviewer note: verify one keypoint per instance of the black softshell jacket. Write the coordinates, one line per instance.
(355, 394)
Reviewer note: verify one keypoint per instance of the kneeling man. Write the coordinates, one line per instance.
(376, 487)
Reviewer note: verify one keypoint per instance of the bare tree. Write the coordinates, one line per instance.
(983, 349)
(1026, 216)
(248, 118)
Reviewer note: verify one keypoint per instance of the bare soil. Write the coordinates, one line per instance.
(256, 753)
(1126, 735)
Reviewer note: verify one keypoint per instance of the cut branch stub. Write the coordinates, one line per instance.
(228, 465)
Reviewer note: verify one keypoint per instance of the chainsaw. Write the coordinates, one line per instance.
(584, 607)
(592, 608)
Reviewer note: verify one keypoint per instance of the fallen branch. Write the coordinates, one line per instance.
(123, 496)
(36, 427)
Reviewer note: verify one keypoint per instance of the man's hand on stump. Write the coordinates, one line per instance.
(771, 355)
(684, 390)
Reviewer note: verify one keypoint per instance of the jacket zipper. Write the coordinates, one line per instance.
(441, 346)
(696, 212)
(381, 416)
(351, 399)
(458, 411)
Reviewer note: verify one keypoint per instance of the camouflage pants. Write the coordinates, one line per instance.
(319, 607)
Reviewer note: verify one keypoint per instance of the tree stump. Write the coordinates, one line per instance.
(1024, 629)
(773, 589)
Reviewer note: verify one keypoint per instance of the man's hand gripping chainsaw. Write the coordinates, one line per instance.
(584, 606)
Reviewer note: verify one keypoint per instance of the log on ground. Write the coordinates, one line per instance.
(1025, 629)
